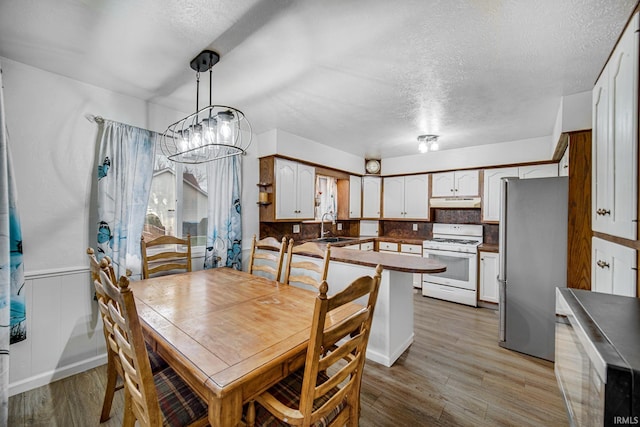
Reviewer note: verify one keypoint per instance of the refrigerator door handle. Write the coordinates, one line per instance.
(502, 314)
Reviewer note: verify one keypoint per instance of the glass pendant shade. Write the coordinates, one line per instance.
(211, 133)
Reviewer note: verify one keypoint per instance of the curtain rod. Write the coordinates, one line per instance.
(96, 119)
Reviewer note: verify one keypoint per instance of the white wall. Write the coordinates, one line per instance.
(526, 150)
(53, 147)
(277, 141)
(574, 114)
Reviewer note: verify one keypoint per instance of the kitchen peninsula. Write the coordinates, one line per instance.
(392, 328)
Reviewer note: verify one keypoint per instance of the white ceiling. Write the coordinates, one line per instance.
(364, 76)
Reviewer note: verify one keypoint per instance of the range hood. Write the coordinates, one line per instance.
(455, 202)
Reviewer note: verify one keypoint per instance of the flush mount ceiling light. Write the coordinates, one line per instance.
(428, 143)
(214, 132)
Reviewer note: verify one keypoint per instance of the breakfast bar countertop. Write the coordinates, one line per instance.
(389, 261)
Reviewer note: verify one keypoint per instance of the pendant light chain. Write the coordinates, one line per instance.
(198, 91)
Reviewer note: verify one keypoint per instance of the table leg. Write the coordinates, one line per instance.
(226, 411)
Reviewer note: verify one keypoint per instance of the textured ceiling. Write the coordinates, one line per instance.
(367, 77)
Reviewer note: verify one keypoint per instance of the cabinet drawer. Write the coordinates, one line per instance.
(367, 246)
(388, 246)
(411, 249)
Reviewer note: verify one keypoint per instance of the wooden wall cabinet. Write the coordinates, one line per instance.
(355, 197)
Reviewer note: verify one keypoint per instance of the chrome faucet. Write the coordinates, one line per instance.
(322, 232)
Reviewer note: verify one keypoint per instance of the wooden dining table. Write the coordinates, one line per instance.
(230, 335)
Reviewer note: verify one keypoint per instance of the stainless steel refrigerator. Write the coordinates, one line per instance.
(533, 262)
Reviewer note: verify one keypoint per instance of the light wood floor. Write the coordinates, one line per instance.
(454, 374)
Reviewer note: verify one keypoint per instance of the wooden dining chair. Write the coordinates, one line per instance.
(114, 368)
(266, 257)
(305, 270)
(326, 391)
(151, 399)
(171, 259)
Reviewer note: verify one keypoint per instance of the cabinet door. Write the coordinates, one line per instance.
(393, 199)
(286, 203)
(355, 196)
(623, 132)
(489, 276)
(466, 183)
(613, 268)
(416, 202)
(538, 171)
(602, 157)
(491, 192)
(442, 184)
(371, 197)
(305, 191)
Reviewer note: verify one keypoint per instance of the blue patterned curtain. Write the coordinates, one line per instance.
(224, 230)
(12, 303)
(125, 169)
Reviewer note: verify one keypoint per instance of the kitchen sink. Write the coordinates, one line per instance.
(334, 239)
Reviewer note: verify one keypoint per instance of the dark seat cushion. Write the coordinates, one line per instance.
(180, 406)
(157, 362)
(287, 391)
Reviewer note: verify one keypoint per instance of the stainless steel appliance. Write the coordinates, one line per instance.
(533, 262)
(456, 246)
(598, 357)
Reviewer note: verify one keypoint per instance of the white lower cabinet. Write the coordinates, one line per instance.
(613, 269)
(489, 276)
(404, 249)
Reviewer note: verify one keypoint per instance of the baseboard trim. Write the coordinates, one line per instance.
(388, 360)
(56, 374)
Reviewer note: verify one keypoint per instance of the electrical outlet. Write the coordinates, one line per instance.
(415, 227)
(296, 228)
(339, 226)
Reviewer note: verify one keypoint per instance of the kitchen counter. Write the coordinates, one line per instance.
(486, 247)
(389, 261)
(392, 327)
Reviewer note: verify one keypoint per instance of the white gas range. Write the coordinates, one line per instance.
(455, 245)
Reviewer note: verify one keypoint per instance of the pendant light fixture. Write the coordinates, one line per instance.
(428, 143)
(211, 133)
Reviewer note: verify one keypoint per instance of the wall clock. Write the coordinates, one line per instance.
(372, 166)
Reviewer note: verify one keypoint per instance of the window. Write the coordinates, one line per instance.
(178, 201)
(326, 195)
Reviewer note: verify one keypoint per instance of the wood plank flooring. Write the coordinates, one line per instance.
(454, 374)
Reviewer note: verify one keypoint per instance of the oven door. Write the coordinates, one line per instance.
(461, 268)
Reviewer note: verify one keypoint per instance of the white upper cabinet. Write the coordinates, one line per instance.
(455, 184)
(491, 192)
(613, 269)
(393, 203)
(355, 196)
(615, 140)
(538, 171)
(371, 186)
(406, 197)
(295, 189)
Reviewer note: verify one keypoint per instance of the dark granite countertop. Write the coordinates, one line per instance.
(617, 318)
(488, 247)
